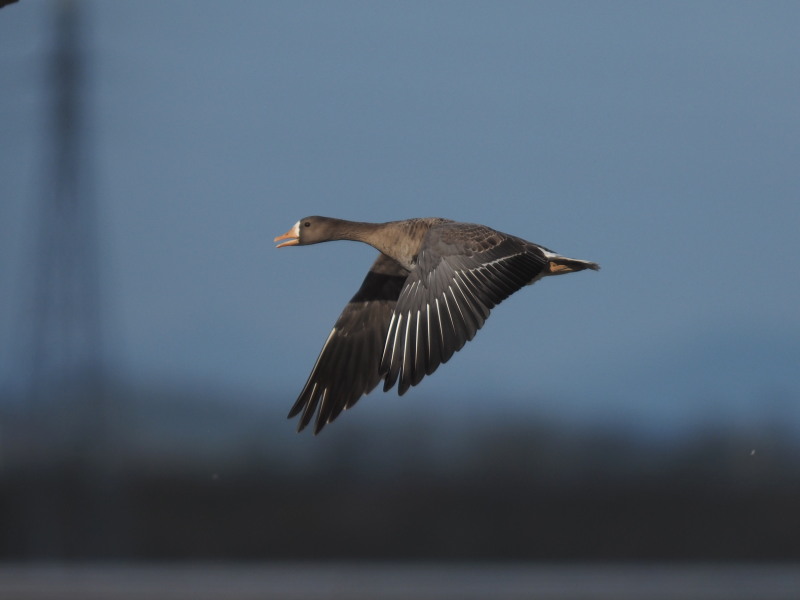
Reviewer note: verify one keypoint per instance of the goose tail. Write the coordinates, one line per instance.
(559, 265)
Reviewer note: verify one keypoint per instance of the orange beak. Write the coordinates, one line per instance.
(292, 236)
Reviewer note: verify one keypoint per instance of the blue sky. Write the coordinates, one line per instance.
(661, 140)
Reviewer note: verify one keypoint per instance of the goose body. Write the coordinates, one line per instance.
(428, 292)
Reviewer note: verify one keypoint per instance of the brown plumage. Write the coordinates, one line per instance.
(428, 292)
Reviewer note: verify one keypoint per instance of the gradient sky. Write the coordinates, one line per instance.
(661, 140)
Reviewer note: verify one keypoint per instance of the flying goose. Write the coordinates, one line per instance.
(428, 292)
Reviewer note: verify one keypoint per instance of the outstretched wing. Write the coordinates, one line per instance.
(347, 366)
(462, 272)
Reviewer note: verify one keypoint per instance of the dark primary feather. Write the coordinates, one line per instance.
(347, 366)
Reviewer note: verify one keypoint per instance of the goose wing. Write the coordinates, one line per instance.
(347, 366)
(462, 271)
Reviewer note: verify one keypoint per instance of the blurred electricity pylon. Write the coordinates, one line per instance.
(62, 337)
(65, 332)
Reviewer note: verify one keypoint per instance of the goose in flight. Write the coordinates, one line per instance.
(428, 292)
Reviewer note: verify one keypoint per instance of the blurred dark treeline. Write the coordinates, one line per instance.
(166, 473)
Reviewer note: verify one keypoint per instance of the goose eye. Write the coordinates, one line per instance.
(307, 224)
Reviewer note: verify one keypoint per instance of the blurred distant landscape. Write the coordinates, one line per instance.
(175, 473)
